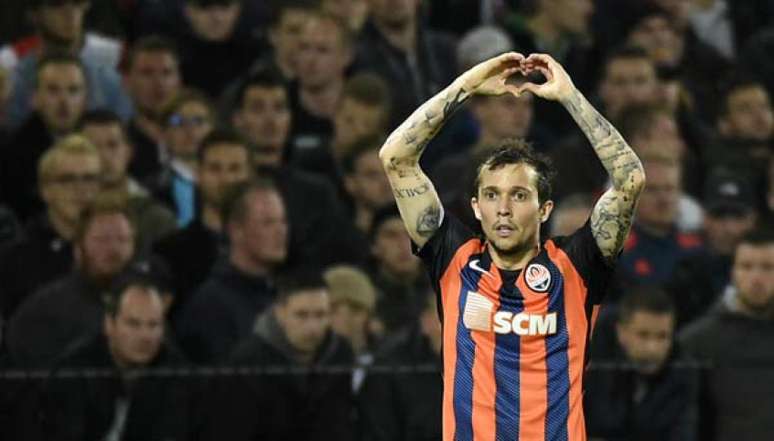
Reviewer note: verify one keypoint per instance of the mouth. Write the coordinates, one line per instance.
(504, 230)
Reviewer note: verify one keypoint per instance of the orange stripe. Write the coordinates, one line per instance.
(575, 295)
(484, 385)
(450, 285)
(533, 377)
(594, 316)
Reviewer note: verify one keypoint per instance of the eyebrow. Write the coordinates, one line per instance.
(497, 189)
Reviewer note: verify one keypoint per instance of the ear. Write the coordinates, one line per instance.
(619, 333)
(545, 210)
(476, 208)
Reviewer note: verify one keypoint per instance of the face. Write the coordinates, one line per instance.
(392, 249)
(354, 120)
(647, 339)
(221, 167)
(72, 186)
(368, 184)
(394, 13)
(349, 320)
(285, 36)
(187, 128)
(724, 232)
(263, 233)
(658, 203)
(305, 317)
(749, 115)
(504, 116)
(265, 119)
(661, 138)
(114, 150)
(660, 40)
(107, 247)
(508, 208)
(63, 22)
(214, 22)
(572, 16)
(753, 275)
(628, 81)
(153, 81)
(679, 10)
(352, 12)
(322, 56)
(60, 96)
(136, 332)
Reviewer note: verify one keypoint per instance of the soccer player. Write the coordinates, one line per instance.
(517, 313)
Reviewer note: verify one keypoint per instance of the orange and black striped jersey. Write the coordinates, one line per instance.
(515, 342)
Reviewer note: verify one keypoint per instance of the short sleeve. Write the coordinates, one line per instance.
(584, 253)
(438, 252)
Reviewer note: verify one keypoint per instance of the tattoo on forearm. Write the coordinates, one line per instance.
(610, 222)
(427, 222)
(402, 193)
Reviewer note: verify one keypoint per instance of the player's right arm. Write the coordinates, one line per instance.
(415, 195)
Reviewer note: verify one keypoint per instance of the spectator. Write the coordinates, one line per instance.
(122, 405)
(652, 399)
(58, 101)
(151, 220)
(655, 245)
(322, 234)
(325, 52)
(188, 120)
(153, 80)
(70, 307)
(298, 403)
(288, 19)
(396, 405)
(224, 160)
(726, 25)
(395, 45)
(365, 182)
(571, 213)
(396, 272)
(68, 176)
(59, 27)
(213, 37)
(352, 12)
(735, 337)
(223, 309)
(699, 279)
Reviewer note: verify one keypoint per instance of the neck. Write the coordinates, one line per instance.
(513, 261)
(363, 218)
(406, 278)
(402, 37)
(149, 127)
(544, 29)
(359, 342)
(245, 264)
(322, 101)
(211, 218)
(63, 227)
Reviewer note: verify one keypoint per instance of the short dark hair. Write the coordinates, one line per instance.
(627, 52)
(264, 77)
(732, 85)
(638, 118)
(369, 89)
(291, 282)
(105, 203)
(518, 151)
(234, 207)
(224, 135)
(184, 97)
(759, 236)
(382, 215)
(361, 147)
(119, 288)
(645, 298)
(57, 57)
(152, 43)
(101, 117)
(279, 7)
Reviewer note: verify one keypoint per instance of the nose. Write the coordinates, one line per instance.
(504, 207)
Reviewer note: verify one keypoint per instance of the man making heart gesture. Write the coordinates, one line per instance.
(517, 313)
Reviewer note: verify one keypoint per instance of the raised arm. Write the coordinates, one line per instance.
(612, 215)
(415, 195)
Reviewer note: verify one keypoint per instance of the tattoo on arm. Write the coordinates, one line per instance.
(428, 220)
(403, 193)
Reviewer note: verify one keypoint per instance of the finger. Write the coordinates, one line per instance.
(547, 73)
(530, 87)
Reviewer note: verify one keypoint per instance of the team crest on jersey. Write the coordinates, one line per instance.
(538, 277)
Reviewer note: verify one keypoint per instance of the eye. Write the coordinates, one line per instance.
(520, 196)
(489, 195)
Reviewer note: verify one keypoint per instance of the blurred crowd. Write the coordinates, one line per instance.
(198, 241)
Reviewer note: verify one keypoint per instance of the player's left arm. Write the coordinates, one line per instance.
(612, 215)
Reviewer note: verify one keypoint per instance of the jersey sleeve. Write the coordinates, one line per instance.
(585, 255)
(438, 252)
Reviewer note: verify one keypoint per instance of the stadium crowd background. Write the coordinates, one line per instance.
(197, 240)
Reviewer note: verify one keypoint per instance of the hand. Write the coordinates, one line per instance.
(489, 77)
(558, 85)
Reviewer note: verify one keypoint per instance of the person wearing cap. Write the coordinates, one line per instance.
(353, 298)
(729, 214)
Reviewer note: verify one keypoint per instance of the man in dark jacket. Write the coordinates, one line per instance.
(406, 406)
(127, 402)
(295, 399)
(644, 396)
